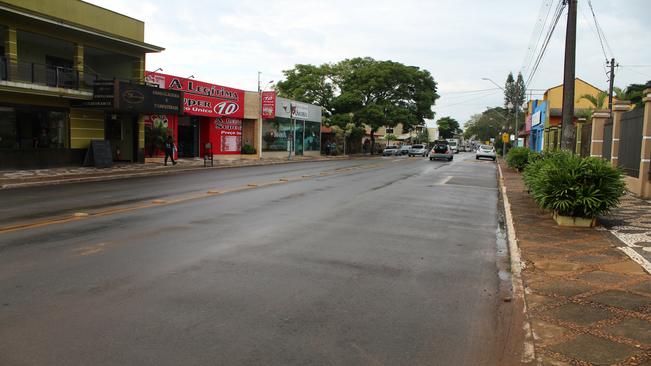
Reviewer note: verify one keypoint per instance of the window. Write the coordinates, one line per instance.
(312, 136)
(8, 133)
(30, 128)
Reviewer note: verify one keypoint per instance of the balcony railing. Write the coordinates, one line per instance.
(40, 74)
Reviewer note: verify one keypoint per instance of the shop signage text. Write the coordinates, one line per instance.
(202, 99)
(269, 105)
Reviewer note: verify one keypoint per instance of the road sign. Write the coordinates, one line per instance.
(505, 137)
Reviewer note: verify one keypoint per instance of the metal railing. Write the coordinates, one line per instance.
(40, 74)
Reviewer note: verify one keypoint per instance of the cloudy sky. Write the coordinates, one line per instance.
(459, 42)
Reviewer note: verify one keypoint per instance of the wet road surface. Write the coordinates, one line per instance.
(388, 261)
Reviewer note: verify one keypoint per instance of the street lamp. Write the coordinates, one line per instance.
(510, 105)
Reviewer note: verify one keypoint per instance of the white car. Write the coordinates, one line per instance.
(390, 150)
(485, 151)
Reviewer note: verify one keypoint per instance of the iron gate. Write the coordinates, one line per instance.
(586, 139)
(630, 142)
(608, 139)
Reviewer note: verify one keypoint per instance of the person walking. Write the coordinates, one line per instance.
(169, 150)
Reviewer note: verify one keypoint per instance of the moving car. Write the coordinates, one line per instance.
(418, 150)
(403, 150)
(454, 145)
(485, 151)
(390, 150)
(441, 150)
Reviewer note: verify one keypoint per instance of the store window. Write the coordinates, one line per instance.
(275, 134)
(8, 132)
(29, 128)
(312, 136)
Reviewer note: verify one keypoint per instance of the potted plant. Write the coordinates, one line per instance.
(576, 190)
(248, 149)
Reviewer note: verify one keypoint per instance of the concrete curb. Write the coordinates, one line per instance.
(529, 353)
(108, 177)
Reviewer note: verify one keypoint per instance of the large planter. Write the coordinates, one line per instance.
(573, 221)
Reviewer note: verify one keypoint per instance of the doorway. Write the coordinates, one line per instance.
(188, 137)
(121, 133)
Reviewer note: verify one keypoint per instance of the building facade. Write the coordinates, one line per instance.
(214, 117)
(553, 99)
(294, 129)
(53, 53)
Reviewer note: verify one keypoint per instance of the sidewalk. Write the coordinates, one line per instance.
(43, 177)
(588, 303)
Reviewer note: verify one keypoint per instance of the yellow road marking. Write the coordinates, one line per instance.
(158, 202)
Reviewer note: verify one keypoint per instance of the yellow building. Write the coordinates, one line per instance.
(53, 52)
(553, 98)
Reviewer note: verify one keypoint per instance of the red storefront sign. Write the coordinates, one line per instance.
(227, 133)
(269, 105)
(202, 99)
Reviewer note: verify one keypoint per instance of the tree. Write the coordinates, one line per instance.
(514, 92)
(309, 84)
(633, 93)
(448, 127)
(489, 124)
(598, 103)
(365, 91)
(390, 137)
(422, 137)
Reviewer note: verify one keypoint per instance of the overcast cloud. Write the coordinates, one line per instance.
(459, 42)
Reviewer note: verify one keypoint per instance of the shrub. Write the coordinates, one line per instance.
(248, 149)
(518, 158)
(574, 186)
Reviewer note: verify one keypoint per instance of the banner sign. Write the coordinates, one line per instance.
(146, 99)
(300, 111)
(128, 97)
(535, 118)
(202, 99)
(228, 134)
(199, 105)
(269, 105)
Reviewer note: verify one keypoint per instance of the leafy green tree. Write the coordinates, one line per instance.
(491, 123)
(633, 93)
(422, 137)
(309, 84)
(365, 91)
(448, 127)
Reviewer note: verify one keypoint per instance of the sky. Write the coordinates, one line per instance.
(458, 42)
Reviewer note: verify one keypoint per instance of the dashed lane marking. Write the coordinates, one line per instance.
(162, 202)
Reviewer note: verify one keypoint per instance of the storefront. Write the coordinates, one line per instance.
(212, 117)
(35, 136)
(288, 121)
(125, 107)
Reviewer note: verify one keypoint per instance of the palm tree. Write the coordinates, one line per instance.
(598, 102)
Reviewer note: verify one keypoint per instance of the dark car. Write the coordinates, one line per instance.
(441, 150)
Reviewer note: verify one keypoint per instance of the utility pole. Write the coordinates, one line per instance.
(568, 132)
(611, 78)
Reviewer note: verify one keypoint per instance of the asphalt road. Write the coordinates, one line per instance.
(390, 261)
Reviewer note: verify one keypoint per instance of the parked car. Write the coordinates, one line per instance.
(418, 150)
(485, 151)
(441, 150)
(390, 150)
(403, 150)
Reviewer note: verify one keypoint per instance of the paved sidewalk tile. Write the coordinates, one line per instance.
(631, 223)
(588, 302)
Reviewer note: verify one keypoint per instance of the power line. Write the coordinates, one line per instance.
(469, 91)
(466, 101)
(557, 16)
(538, 29)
